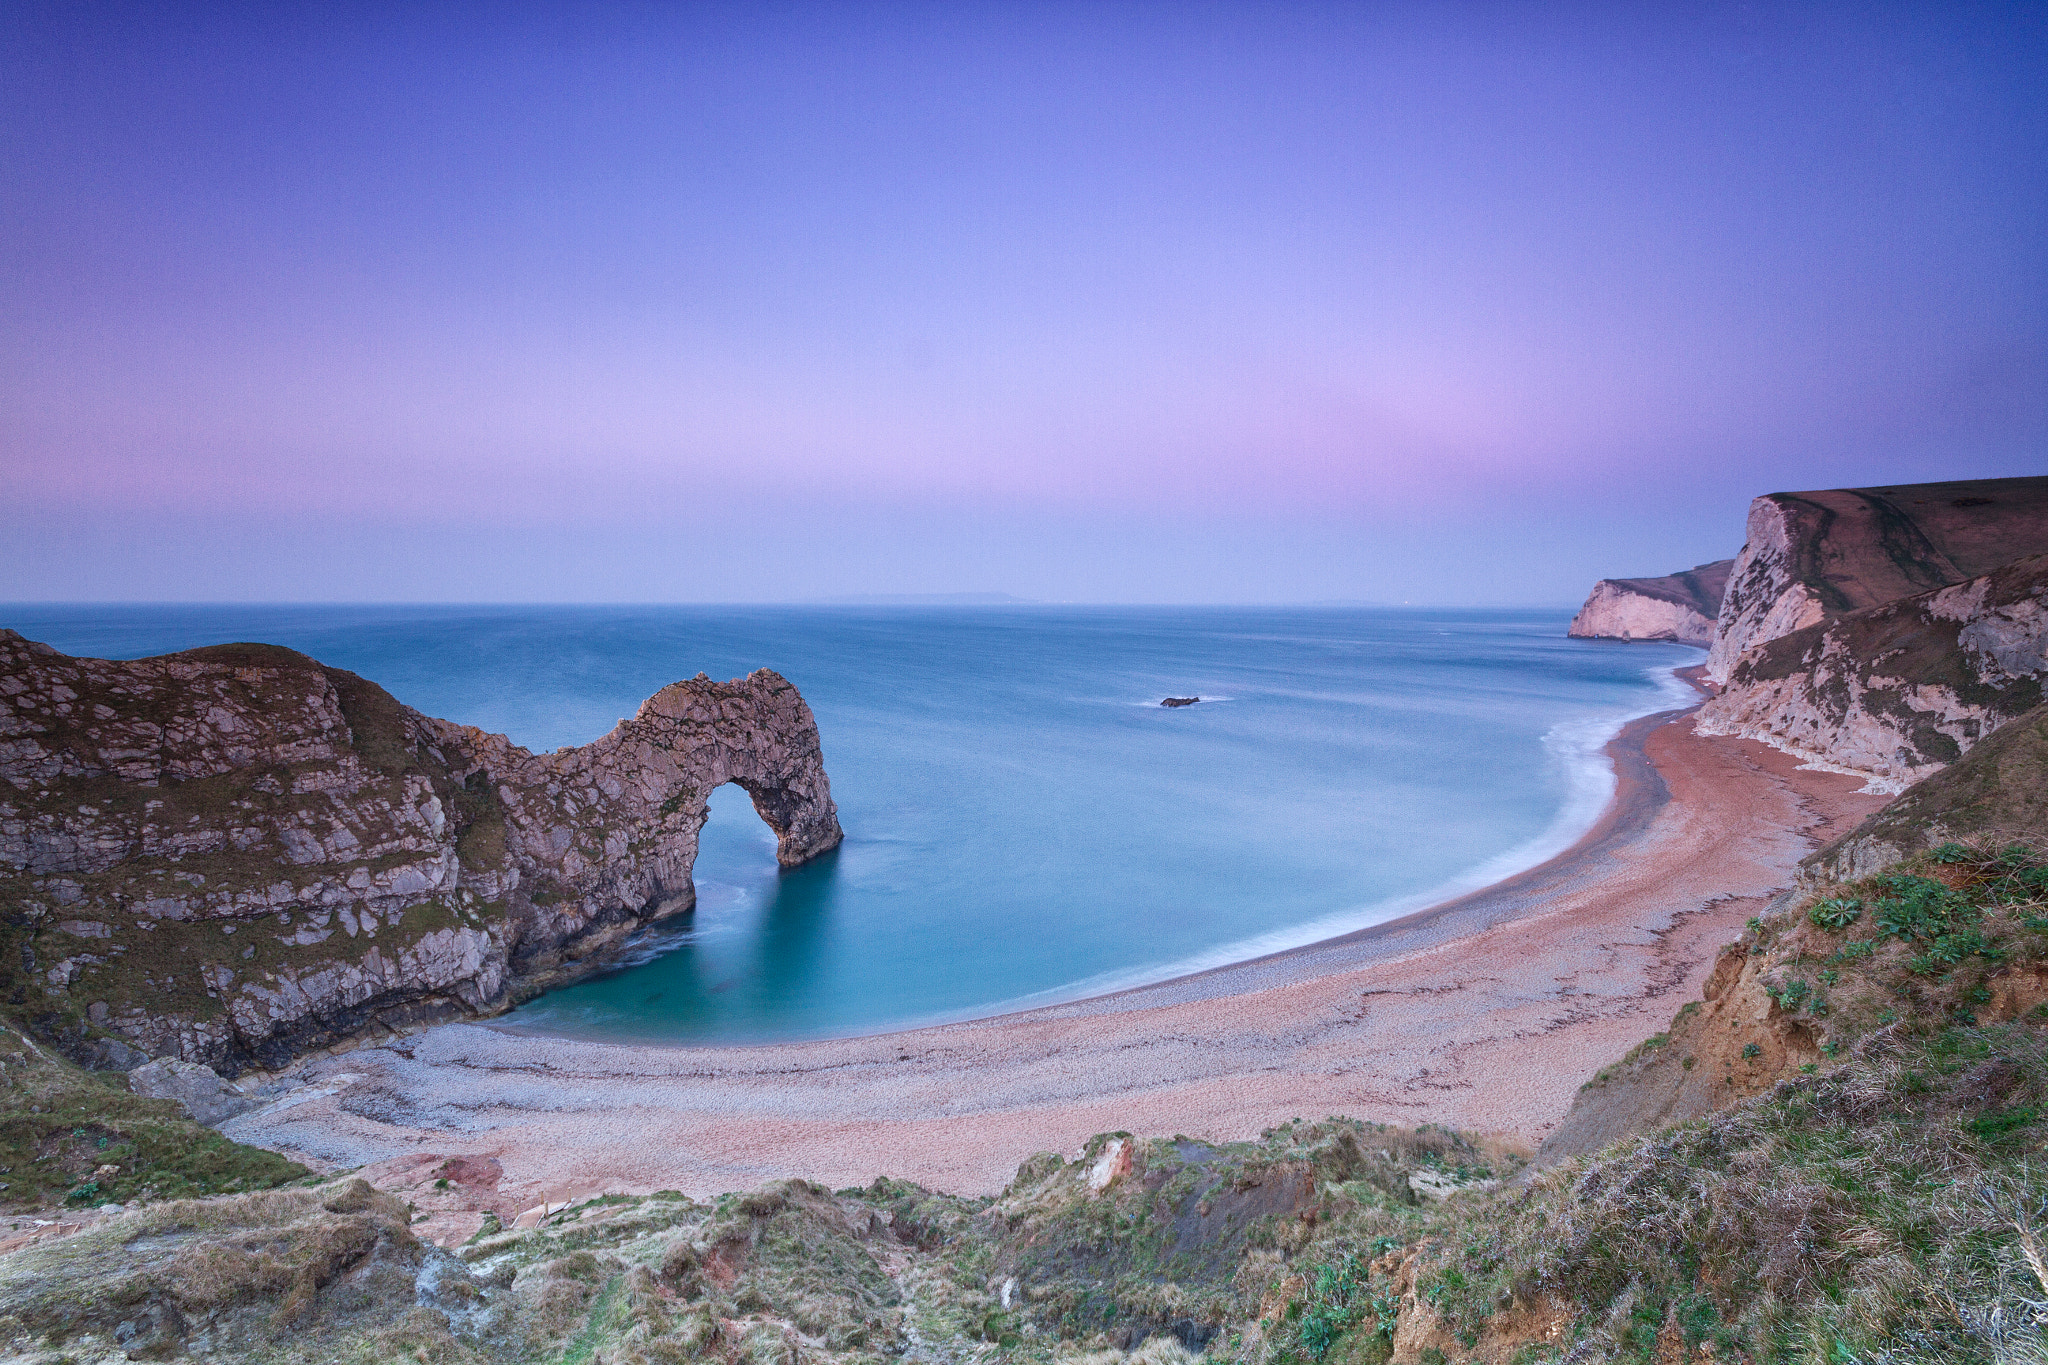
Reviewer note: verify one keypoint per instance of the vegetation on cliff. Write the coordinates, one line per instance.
(1877, 1196)
(71, 1138)
(1885, 1209)
(1860, 1182)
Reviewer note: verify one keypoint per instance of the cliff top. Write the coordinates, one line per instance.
(1864, 546)
(1699, 587)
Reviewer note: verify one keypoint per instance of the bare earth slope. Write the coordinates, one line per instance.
(1752, 1025)
(1808, 557)
(235, 854)
(1680, 606)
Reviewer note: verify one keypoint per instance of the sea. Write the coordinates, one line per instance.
(1025, 823)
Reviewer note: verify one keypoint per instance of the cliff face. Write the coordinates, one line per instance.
(235, 854)
(1808, 557)
(1679, 606)
(1996, 796)
(1898, 691)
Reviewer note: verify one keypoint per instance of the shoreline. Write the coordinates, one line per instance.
(1483, 1013)
(1638, 792)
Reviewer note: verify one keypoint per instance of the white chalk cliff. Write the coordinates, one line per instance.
(1811, 556)
(1897, 692)
(1680, 606)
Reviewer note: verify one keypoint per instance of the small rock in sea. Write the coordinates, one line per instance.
(1180, 701)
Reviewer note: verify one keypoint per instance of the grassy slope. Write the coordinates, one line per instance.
(1877, 1200)
(61, 1126)
(1878, 1204)
(1997, 794)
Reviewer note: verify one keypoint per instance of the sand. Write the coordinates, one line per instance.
(1486, 1014)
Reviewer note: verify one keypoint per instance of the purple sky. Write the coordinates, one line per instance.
(1254, 302)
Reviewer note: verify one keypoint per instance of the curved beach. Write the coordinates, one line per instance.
(1485, 1012)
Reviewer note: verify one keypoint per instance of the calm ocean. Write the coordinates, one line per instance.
(1024, 822)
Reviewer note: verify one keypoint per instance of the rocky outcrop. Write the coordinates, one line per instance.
(1995, 796)
(1896, 692)
(235, 854)
(199, 1090)
(1808, 557)
(1679, 606)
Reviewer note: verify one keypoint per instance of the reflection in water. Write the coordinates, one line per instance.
(1024, 820)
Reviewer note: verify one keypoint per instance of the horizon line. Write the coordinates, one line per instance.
(911, 600)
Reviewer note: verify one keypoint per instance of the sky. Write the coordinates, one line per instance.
(1180, 302)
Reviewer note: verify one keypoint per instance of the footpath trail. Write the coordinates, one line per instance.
(1486, 1013)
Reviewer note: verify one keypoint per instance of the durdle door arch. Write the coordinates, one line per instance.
(364, 865)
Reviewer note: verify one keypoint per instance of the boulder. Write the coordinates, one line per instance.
(205, 1096)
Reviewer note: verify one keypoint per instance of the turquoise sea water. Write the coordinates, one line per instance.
(1024, 822)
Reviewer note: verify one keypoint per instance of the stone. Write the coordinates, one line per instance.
(206, 1098)
(110, 1054)
(1113, 1163)
(388, 869)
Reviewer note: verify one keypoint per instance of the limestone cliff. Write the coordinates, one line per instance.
(1896, 692)
(1996, 796)
(235, 854)
(1680, 606)
(1808, 557)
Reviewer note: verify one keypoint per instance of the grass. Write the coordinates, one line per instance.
(1892, 1208)
(61, 1127)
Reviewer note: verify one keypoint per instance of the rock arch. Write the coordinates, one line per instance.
(643, 791)
(364, 864)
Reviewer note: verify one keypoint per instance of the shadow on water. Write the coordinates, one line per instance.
(728, 985)
(789, 947)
